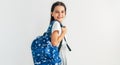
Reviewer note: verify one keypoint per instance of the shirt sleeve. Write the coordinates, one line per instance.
(56, 26)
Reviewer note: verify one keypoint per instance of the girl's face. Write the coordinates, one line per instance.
(58, 13)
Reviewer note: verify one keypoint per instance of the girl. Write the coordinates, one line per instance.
(58, 13)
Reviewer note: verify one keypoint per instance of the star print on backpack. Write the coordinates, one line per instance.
(43, 52)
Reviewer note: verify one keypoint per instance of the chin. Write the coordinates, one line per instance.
(60, 20)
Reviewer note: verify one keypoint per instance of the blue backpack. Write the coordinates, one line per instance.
(43, 52)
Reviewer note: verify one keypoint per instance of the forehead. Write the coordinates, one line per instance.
(59, 7)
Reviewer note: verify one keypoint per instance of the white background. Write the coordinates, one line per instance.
(93, 30)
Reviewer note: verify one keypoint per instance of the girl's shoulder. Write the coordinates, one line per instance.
(56, 22)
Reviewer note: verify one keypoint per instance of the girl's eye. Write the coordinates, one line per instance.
(56, 11)
(62, 11)
(59, 11)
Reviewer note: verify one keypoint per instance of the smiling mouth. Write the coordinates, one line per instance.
(60, 17)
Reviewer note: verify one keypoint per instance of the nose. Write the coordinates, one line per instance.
(60, 14)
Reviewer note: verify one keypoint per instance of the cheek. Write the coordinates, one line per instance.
(64, 15)
(54, 15)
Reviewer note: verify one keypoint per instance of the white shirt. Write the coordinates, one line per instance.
(56, 26)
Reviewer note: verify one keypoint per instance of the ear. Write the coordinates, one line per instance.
(51, 13)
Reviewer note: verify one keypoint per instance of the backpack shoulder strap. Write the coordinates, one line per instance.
(60, 45)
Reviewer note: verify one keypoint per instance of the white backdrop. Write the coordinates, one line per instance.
(93, 30)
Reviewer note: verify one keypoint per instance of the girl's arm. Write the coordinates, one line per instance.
(56, 38)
